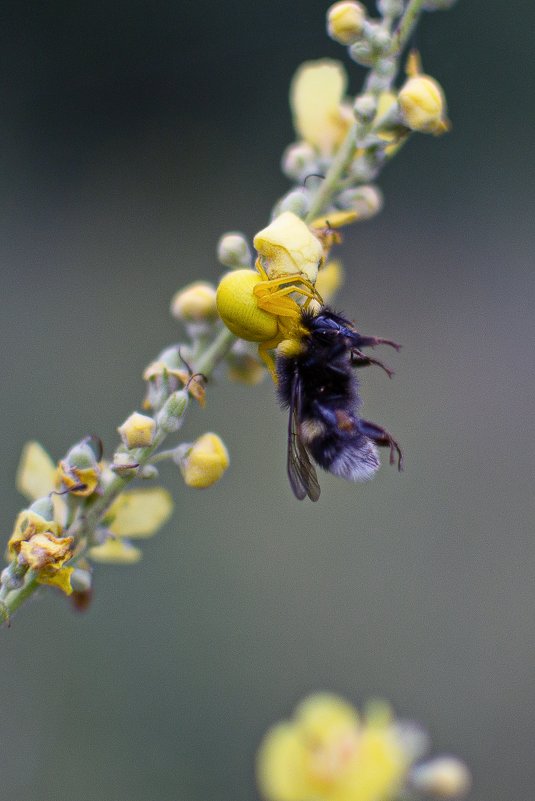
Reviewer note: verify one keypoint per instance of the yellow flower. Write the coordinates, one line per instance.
(57, 578)
(36, 473)
(421, 100)
(115, 552)
(345, 21)
(80, 481)
(137, 431)
(287, 247)
(327, 753)
(27, 525)
(205, 462)
(316, 99)
(45, 550)
(195, 303)
(139, 513)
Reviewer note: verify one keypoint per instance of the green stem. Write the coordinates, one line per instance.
(214, 353)
(406, 26)
(330, 185)
(17, 597)
(84, 527)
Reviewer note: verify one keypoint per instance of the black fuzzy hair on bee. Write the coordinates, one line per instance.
(319, 386)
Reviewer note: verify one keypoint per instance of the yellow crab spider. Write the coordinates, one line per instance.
(261, 310)
(261, 306)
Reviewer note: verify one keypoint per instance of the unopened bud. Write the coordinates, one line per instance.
(443, 777)
(365, 108)
(79, 471)
(195, 303)
(12, 576)
(149, 472)
(423, 105)
(137, 431)
(43, 507)
(170, 416)
(233, 251)
(205, 462)
(362, 52)
(366, 201)
(390, 8)
(299, 160)
(80, 580)
(345, 21)
(377, 36)
(297, 201)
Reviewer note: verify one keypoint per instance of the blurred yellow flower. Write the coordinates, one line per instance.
(327, 753)
(115, 552)
(139, 513)
(320, 117)
(195, 302)
(36, 473)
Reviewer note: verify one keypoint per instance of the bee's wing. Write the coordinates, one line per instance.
(301, 471)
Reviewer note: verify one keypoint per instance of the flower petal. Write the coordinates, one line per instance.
(115, 552)
(316, 94)
(140, 513)
(36, 472)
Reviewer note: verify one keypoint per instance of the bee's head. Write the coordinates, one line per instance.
(328, 328)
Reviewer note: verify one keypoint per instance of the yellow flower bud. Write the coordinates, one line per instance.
(423, 105)
(238, 307)
(137, 431)
(205, 462)
(442, 777)
(195, 303)
(345, 21)
(45, 550)
(288, 247)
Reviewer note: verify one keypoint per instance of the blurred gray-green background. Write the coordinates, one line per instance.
(132, 135)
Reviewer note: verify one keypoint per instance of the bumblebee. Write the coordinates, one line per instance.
(317, 383)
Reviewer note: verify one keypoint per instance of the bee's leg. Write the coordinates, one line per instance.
(382, 438)
(371, 342)
(359, 359)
